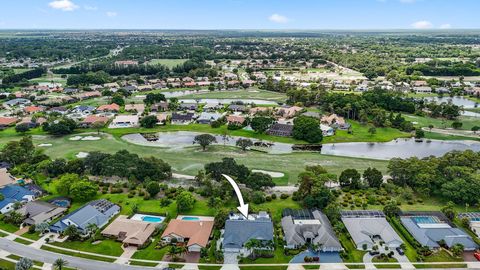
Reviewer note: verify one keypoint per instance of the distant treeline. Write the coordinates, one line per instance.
(27, 75)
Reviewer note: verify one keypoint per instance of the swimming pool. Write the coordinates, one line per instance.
(148, 218)
(426, 220)
(190, 218)
(61, 202)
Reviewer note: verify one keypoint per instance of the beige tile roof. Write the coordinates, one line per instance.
(132, 232)
(198, 232)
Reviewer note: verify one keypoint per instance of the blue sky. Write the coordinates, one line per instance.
(239, 14)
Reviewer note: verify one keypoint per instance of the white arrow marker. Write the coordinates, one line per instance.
(243, 208)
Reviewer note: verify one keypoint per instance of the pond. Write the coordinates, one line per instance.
(229, 101)
(459, 101)
(402, 148)
(182, 139)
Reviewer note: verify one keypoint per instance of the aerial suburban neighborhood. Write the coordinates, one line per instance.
(239, 135)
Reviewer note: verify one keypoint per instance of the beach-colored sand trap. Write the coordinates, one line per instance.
(82, 155)
(91, 138)
(44, 145)
(75, 138)
(272, 174)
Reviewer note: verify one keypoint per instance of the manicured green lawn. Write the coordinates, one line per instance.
(425, 121)
(356, 266)
(105, 247)
(263, 267)
(209, 267)
(442, 256)
(4, 264)
(354, 255)
(22, 241)
(360, 134)
(252, 93)
(451, 266)
(150, 252)
(143, 263)
(170, 63)
(388, 266)
(76, 254)
(8, 227)
(377, 259)
(32, 236)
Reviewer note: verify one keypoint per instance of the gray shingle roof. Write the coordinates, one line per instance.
(238, 232)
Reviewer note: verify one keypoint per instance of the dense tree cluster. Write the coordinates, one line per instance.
(453, 176)
(229, 166)
(128, 165)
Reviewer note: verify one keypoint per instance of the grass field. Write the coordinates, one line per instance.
(77, 254)
(425, 121)
(251, 93)
(190, 160)
(105, 247)
(170, 63)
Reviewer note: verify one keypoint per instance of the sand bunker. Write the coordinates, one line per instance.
(75, 138)
(82, 155)
(91, 138)
(44, 145)
(272, 174)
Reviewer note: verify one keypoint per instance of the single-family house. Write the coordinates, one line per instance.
(13, 194)
(109, 108)
(138, 108)
(83, 109)
(235, 120)
(283, 130)
(239, 230)
(124, 121)
(159, 107)
(182, 118)
(97, 212)
(6, 178)
(207, 118)
(36, 212)
(16, 102)
(195, 233)
(130, 232)
(7, 122)
(369, 228)
(327, 130)
(92, 120)
(473, 220)
(430, 228)
(188, 106)
(33, 109)
(309, 227)
(237, 108)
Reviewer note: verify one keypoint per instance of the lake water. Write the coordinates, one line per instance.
(402, 148)
(459, 101)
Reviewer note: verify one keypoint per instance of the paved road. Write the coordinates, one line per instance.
(50, 257)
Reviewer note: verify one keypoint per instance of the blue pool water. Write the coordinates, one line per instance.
(425, 220)
(61, 203)
(190, 218)
(153, 219)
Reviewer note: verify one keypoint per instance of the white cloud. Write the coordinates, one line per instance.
(65, 5)
(91, 8)
(445, 26)
(111, 13)
(277, 18)
(422, 25)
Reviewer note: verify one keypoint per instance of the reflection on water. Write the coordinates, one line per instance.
(402, 148)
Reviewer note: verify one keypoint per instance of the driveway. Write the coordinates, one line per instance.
(230, 257)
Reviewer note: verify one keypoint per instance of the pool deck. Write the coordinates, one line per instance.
(202, 218)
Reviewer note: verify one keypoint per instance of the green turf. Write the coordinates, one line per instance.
(150, 252)
(251, 93)
(148, 264)
(4, 264)
(170, 63)
(22, 241)
(450, 266)
(388, 266)
(105, 247)
(76, 254)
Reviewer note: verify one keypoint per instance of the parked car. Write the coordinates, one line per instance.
(477, 255)
(400, 251)
(373, 252)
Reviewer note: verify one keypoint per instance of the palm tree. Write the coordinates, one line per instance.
(92, 230)
(59, 263)
(172, 252)
(71, 231)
